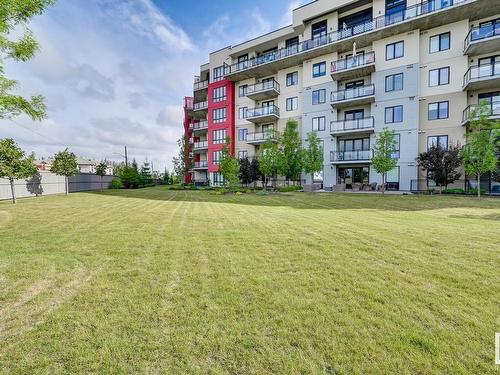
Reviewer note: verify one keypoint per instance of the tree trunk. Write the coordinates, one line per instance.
(479, 185)
(66, 183)
(13, 190)
(101, 183)
(383, 183)
(312, 182)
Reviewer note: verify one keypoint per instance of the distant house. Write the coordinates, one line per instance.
(43, 165)
(88, 166)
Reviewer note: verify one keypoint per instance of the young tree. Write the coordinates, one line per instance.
(182, 162)
(441, 164)
(64, 164)
(246, 176)
(166, 177)
(313, 156)
(14, 16)
(146, 177)
(101, 170)
(479, 154)
(130, 177)
(228, 166)
(255, 173)
(291, 155)
(14, 164)
(383, 160)
(268, 160)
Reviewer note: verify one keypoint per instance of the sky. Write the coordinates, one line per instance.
(114, 72)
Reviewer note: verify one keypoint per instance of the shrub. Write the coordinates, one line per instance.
(130, 178)
(286, 189)
(474, 191)
(453, 191)
(262, 192)
(116, 183)
(176, 187)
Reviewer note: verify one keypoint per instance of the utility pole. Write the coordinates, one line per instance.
(126, 157)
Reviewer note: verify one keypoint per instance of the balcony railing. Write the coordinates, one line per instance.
(200, 106)
(354, 93)
(380, 22)
(352, 62)
(366, 123)
(261, 136)
(263, 111)
(188, 103)
(198, 125)
(201, 164)
(493, 111)
(200, 145)
(358, 155)
(482, 32)
(263, 86)
(200, 85)
(480, 72)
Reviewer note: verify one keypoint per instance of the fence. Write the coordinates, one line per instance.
(488, 186)
(46, 183)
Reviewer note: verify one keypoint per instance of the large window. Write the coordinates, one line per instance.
(360, 144)
(354, 114)
(319, 96)
(219, 136)
(242, 154)
(439, 42)
(394, 11)
(394, 82)
(396, 154)
(292, 79)
(219, 115)
(394, 50)
(218, 179)
(437, 140)
(439, 77)
(242, 90)
(394, 114)
(319, 69)
(218, 73)
(219, 94)
(242, 134)
(319, 29)
(242, 113)
(318, 123)
(292, 103)
(392, 179)
(438, 111)
(216, 156)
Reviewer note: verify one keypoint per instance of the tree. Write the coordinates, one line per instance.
(14, 16)
(383, 160)
(166, 177)
(255, 173)
(246, 175)
(64, 164)
(268, 160)
(228, 166)
(182, 162)
(291, 155)
(313, 156)
(479, 154)
(14, 164)
(130, 177)
(441, 164)
(101, 170)
(146, 177)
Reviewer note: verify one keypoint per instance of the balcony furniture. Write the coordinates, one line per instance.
(339, 187)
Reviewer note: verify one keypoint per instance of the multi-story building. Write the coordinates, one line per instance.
(346, 69)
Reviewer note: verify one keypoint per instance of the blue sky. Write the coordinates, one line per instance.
(114, 72)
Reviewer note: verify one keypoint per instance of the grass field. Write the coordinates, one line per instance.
(158, 281)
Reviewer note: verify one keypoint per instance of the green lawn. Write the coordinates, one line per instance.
(158, 281)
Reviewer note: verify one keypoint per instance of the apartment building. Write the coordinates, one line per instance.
(346, 69)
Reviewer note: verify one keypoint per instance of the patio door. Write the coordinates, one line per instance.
(489, 66)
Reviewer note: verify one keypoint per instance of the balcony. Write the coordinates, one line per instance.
(350, 157)
(200, 109)
(203, 164)
(261, 137)
(200, 85)
(200, 127)
(422, 16)
(353, 66)
(345, 127)
(493, 113)
(263, 90)
(263, 114)
(200, 146)
(200, 90)
(482, 39)
(486, 76)
(354, 96)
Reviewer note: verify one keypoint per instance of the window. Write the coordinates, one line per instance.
(396, 153)
(242, 90)
(243, 61)
(354, 84)
(242, 154)
(242, 134)
(439, 42)
(392, 179)
(242, 113)
(319, 29)
(394, 114)
(292, 103)
(437, 140)
(218, 73)
(438, 77)
(318, 123)
(360, 144)
(292, 43)
(319, 69)
(216, 156)
(219, 115)
(438, 111)
(394, 11)
(319, 96)
(219, 94)
(394, 50)
(218, 179)
(394, 82)
(219, 136)
(355, 114)
(292, 79)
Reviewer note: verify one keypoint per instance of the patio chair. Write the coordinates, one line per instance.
(338, 187)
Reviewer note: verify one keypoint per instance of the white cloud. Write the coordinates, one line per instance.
(287, 17)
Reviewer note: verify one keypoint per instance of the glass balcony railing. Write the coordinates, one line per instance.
(200, 106)
(198, 125)
(480, 72)
(201, 164)
(353, 62)
(263, 111)
(200, 85)
(493, 110)
(357, 155)
(351, 125)
(263, 86)
(380, 22)
(201, 144)
(352, 94)
(261, 136)
(482, 32)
